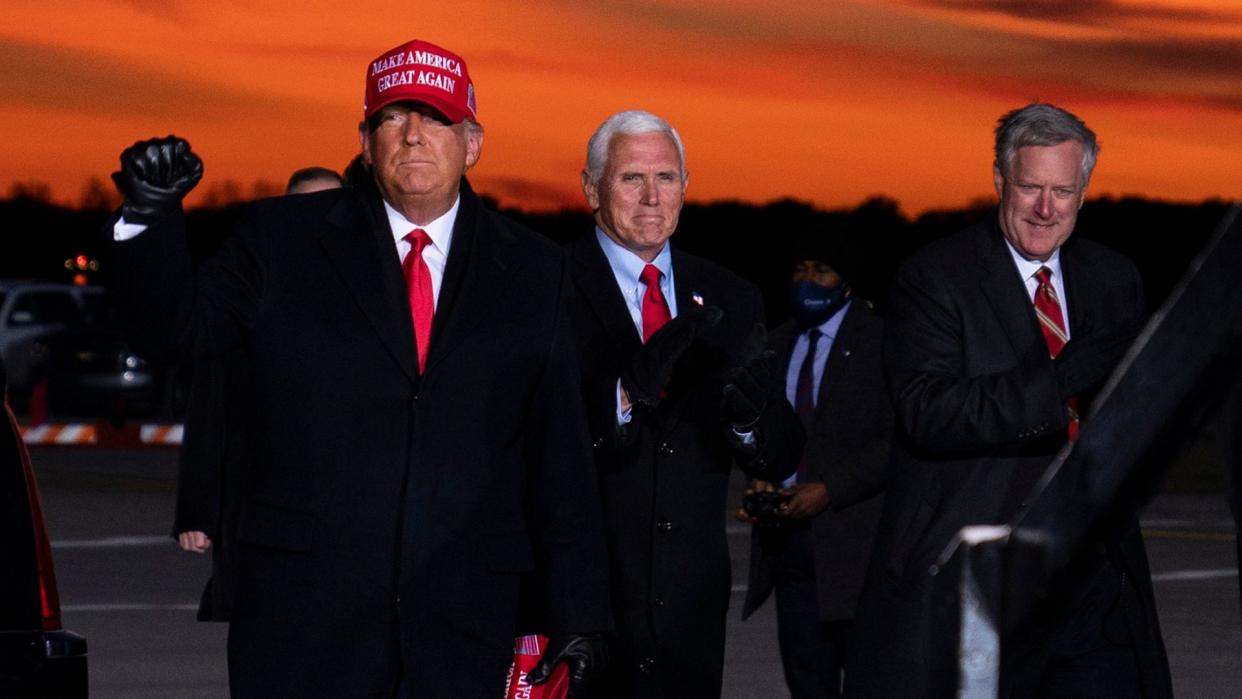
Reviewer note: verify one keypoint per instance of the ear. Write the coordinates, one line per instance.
(1082, 195)
(998, 179)
(364, 140)
(474, 146)
(591, 191)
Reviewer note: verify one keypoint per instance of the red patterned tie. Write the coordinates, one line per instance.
(1052, 324)
(422, 298)
(655, 308)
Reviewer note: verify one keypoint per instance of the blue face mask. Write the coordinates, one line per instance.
(813, 304)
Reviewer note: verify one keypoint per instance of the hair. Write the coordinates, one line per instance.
(1041, 124)
(308, 174)
(630, 123)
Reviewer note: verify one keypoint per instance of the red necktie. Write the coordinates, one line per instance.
(1052, 324)
(422, 298)
(655, 308)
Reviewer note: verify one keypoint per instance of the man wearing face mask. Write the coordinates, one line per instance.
(812, 548)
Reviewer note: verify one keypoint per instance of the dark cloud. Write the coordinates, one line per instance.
(69, 80)
(1087, 12)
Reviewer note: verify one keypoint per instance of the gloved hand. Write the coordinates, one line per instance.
(1087, 360)
(585, 655)
(747, 386)
(154, 176)
(651, 368)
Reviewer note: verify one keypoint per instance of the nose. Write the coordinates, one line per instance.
(413, 131)
(1043, 205)
(651, 192)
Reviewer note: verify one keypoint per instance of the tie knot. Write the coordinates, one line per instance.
(418, 239)
(1043, 275)
(651, 275)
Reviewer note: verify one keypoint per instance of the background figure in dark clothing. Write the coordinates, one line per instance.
(312, 179)
(813, 550)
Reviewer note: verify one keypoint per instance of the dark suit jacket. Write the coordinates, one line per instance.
(664, 478)
(979, 419)
(389, 515)
(848, 451)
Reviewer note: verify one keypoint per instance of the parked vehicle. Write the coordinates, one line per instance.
(29, 312)
(70, 337)
(38, 657)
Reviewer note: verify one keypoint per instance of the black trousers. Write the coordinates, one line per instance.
(1083, 647)
(812, 651)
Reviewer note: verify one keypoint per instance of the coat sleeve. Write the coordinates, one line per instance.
(779, 437)
(177, 309)
(942, 404)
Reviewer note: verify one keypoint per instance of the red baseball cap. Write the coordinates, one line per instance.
(421, 72)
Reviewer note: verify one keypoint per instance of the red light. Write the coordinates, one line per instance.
(79, 279)
(81, 261)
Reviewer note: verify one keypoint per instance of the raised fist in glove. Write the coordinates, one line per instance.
(586, 656)
(748, 384)
(651, 368)
(153, 178)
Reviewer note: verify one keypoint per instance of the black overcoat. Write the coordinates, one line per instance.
(389, 515)
(664, 478)
(977, 426)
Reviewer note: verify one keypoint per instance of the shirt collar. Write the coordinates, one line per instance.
(627, 266)
(1028, 268)
(440, 230)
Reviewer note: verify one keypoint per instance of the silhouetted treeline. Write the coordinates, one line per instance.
(758, 242)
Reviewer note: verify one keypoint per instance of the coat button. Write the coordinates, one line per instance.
(599, 442)
(666, 449)
(664, 526)
(659, 601)
(646, 666)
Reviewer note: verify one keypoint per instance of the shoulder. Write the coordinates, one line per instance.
(1097, 255)
(711, 275)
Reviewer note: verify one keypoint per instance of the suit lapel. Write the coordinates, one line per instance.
(359, 244)
(593, 276)
(837, 364)
(690, 290)
(1004, 291)
(476, 265)
(1079, 285)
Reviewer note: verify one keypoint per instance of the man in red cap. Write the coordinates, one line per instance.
(419, 444)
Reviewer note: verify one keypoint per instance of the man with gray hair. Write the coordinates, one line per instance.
(996, 340)
(678, 387)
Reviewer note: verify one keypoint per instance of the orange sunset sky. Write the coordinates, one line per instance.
(829, 101)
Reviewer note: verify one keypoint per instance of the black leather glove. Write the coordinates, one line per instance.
(585, 655)
(1086, 361)
(651, 368)
(154, 176)
(747, 386)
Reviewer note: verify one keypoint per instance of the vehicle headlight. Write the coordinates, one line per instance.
(133, 361)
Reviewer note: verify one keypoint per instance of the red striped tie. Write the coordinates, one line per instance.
(1052, 324)
(422, 298)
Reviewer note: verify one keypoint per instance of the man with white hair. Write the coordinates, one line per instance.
(679, 386)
